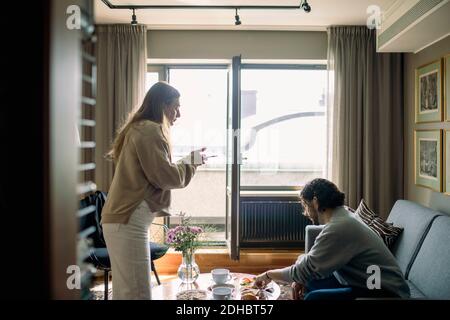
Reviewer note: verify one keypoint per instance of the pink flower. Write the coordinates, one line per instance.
(179, 229)
(196, 230)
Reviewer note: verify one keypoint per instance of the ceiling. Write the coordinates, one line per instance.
(324, 13)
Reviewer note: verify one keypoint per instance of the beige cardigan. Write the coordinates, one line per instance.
(144, 172)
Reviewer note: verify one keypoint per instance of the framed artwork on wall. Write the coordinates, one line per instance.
(447, 162)
(447, 87)
(428, 159)
(428, 90)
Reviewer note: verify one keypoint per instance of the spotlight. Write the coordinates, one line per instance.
(236, 17)
(133, 19)
(305, 6)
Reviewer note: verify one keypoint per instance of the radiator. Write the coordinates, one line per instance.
(272, 224)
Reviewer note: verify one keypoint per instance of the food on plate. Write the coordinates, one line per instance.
(249, 296)
(246, 282)
(249, 290)
(262, 295)
(192, 295)
(248, 293)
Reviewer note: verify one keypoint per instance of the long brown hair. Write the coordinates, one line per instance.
(160, 95)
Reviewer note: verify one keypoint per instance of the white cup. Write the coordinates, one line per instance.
(222, 293)
(221, 276)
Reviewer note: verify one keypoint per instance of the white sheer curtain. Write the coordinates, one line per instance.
(122, 64)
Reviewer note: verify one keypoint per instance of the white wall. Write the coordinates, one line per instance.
(226, 44)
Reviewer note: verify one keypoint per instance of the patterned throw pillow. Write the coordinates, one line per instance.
(387, 231)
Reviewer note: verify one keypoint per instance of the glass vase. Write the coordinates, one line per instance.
(188, 271)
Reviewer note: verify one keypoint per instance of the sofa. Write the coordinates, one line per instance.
(422, 249)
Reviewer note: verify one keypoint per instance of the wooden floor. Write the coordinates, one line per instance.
(251, 261)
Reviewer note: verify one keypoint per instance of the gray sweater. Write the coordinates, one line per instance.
(346, 247)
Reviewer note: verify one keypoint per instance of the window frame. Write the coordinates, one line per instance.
(164, 69)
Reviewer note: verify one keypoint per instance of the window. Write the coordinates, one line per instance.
(202, 123)
(283, 124)
(283, 133)
(150, 79)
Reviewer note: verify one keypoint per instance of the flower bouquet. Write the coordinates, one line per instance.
(185, 238)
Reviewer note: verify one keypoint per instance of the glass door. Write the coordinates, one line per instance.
(233, 158)
(202, 124)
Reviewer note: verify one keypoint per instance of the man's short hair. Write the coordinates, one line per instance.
(326, 192)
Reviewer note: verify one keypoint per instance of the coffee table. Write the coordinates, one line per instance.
(168, 290)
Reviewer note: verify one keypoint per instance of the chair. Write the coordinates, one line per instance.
(98, 254)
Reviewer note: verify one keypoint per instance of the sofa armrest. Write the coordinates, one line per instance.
(311, 233)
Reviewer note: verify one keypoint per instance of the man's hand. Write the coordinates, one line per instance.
(262, 280)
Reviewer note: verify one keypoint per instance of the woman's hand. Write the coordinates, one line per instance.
(196, 158)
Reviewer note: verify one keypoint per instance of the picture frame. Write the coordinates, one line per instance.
(446, 184)
(428, 159)
(446, 87)
(428, 91)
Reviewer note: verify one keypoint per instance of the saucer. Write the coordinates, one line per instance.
(228, 285)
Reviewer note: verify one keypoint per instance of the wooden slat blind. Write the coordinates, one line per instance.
(87, 120)
(86, 167)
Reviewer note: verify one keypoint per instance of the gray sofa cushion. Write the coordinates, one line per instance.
(430, 270)
(415, 220)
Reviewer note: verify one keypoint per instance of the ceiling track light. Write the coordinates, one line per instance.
(133, 18)
(237, 19)
(305, 6)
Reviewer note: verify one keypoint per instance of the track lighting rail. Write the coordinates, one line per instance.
(303, 5)
(240, 7)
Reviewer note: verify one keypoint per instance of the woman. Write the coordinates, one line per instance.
(140, 190)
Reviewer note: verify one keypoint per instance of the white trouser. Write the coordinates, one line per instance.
(129, 252)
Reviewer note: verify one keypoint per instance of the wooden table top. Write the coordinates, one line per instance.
(169, 289)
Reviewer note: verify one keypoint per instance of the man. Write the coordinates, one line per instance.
(339, 264)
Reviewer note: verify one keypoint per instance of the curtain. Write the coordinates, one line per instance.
(365, 118)
(121, 62)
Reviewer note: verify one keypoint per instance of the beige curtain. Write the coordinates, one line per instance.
(365, 154)
(121, 62)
